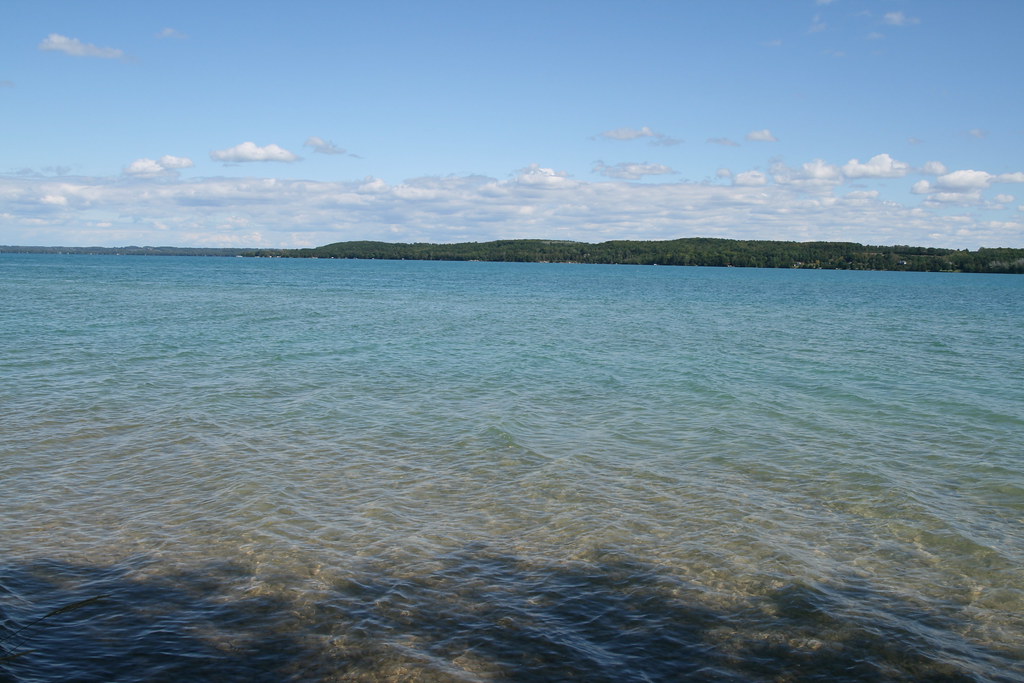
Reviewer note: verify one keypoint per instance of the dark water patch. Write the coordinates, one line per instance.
(141, 628)
(474, 614)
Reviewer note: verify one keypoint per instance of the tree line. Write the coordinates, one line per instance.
(695, 251)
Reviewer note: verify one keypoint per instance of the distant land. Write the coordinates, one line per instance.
(695, 251)
(128, 251)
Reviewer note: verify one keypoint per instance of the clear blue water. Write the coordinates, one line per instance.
(371, 470)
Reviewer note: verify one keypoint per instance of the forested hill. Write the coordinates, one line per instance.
(685, 252)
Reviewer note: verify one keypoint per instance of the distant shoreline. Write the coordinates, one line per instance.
(129, 251)
(693, 251)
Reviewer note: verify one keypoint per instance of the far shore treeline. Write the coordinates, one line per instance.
(696, 251)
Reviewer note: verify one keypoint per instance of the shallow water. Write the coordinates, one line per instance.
(376, 470)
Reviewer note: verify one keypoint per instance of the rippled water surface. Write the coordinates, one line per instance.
(367, 470)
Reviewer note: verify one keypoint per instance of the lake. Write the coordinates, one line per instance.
(285, 469)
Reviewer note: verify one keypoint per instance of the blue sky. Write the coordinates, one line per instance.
(303, 123)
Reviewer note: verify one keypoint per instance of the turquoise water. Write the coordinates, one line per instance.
(376, 470)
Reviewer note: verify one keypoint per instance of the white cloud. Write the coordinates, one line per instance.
(879, 166)
(807, 203)
(149, 167)
(978, 133)
(963, 186)
(921, 187)
(819, 170)
(637, 133)
(725, 142)
(955, 197)
(144, 167)
(817, 25)
(899, 19)
(1004, 198)
(763, 135)
(862, 194)
(168, 161)
(816, 174)
(538, 176)
(76, 48)
(934, 168)
(630, 170)
(750, 179)
(322, 146)
(964, 181)
(249, 151)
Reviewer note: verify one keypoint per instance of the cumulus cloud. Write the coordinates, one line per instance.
(810, 175)
(763, 135)
(963, 186)
(954, 198)
(934, 168)
(535, 202)
(150, 167)
(539, 176)
(321, 146)
(630, 170)
(168, 161)
(964, 181)
(249, 151)
(76, 48)
(879, 166)
(637, 133)
(750, 179)
(144, 167)
(899, 19)
(1004, 198)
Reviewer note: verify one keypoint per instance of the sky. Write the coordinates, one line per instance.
(294, 124)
